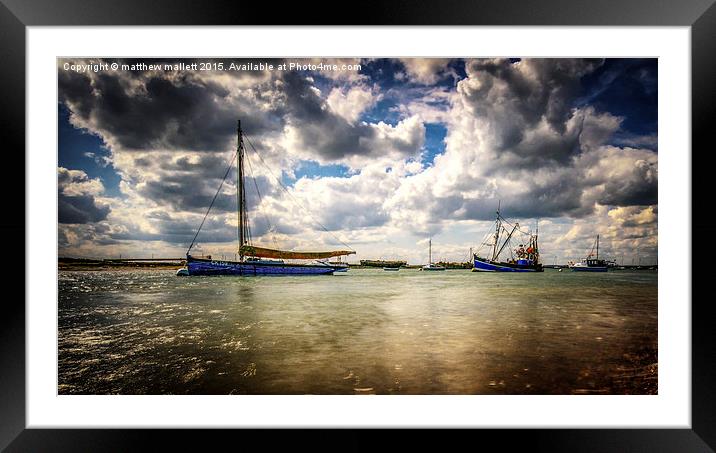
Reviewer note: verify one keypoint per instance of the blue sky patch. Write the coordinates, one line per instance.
(435, 134)
(80, 150)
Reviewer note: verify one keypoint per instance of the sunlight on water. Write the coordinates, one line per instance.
(363, 332)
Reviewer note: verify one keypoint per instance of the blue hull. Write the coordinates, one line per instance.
(212, 267)
(487, 266)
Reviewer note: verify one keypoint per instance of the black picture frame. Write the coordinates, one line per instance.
(16, 15)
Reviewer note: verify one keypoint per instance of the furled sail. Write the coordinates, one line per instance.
(260, 252)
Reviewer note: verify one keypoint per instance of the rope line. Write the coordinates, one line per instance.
(261, 202)
(292, 197)
(231, 163)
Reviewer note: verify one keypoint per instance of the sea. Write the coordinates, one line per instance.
(366, 331)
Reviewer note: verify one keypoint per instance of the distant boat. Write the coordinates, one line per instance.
(254, 260)
(338, 265)
(527, 257)
(430, 266)
(590, 264)
(392, 269)
(383, 263)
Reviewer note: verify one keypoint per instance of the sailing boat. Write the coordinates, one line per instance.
(527, 257)
(590, 264)
(255, 260)
(430, 266)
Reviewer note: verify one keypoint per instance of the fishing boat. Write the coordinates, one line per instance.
(591, 263)
(523, 258)
(430, 266)
(255, 260)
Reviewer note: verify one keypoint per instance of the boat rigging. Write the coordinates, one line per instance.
(257, 260)
(523, 258)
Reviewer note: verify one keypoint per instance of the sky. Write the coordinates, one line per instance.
(378, 155)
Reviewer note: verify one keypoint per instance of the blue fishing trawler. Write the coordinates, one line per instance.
(254, 260)
(523, 258)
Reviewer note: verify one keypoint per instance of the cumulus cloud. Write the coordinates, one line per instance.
(426, 71)
(350, 103)
(76, 201)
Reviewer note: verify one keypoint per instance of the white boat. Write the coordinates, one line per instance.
(430, 266)
(591, 263)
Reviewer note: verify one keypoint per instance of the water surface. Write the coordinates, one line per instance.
(365, 331)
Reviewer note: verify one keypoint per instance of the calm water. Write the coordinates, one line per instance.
(366, 331)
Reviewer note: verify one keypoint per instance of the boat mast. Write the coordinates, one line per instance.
(430, 251)
(497, 232)
(241, 190)
(597, 246)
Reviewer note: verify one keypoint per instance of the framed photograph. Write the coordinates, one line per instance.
(478, 222)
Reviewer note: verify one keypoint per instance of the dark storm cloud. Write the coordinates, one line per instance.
(563, 196)
(329, 135)
(76, 88)
(171, 230)
(215, 229)
(80, 209)
(640, 188)
(548, 89)
(542, 150)
(166, 115)
(145, 112)
(75, 204)
(515, 97)
(191, 194)
(191, 186)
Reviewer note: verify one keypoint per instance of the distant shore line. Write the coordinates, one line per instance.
(77, 264)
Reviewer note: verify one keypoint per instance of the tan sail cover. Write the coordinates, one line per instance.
(260, 252)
